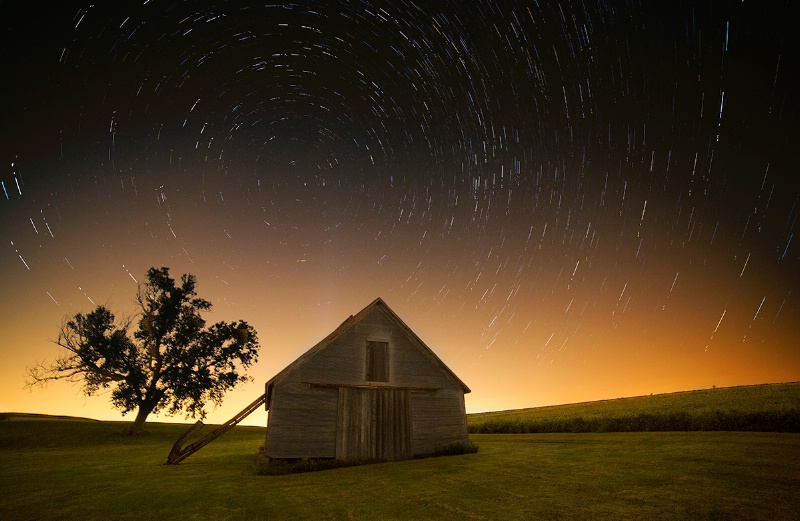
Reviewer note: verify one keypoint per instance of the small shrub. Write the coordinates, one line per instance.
(454, 449)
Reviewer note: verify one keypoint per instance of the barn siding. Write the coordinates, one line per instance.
(438, 420)
(343, 361)
(321, 408)
(302, 421)
(374, 423)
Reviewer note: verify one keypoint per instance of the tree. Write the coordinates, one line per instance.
(172, 362)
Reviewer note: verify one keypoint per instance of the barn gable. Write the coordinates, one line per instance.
(369, 315)
(372, 388)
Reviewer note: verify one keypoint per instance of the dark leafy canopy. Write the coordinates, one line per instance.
(172, 362)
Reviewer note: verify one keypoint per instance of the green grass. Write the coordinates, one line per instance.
(83, 469)
(273, 467)
(766, 408)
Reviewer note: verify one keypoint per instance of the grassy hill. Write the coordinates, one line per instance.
(766, 408)
(62, 468)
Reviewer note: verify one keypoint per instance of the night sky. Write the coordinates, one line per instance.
(566, 201)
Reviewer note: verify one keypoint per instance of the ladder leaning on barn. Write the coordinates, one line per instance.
(179, 453)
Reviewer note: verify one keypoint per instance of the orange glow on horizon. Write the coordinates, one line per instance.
(563, 212)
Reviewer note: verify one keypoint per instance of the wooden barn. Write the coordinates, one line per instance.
(370, 389)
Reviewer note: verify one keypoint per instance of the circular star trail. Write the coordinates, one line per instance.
(567, 201)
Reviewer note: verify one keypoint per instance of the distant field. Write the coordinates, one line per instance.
(765, 408)
(83, 469)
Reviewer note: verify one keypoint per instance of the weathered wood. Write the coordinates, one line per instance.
(178, 454)
(373, 385)
(377, 366)
(439, 421)
(325, 405)
(176, 447)
(302, 421)
(373, 423)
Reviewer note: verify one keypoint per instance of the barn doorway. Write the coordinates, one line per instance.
(373, 423)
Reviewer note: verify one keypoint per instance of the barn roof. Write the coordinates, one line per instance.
(378, 303)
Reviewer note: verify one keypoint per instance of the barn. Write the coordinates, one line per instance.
(370, 389)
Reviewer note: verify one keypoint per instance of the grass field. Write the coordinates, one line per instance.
(56, 468)
(770, 408)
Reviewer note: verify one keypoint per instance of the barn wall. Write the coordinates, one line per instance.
(438, 420)
(303, 416)
(343, 361)
(302, 421)
(339, 363)
(374, 423)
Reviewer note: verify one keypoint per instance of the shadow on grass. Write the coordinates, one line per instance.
(266, 466)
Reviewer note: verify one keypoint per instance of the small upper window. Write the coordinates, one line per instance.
(377, 361)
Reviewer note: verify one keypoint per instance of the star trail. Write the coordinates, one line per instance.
(567, 201)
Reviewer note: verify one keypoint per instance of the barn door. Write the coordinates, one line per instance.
(373, 423)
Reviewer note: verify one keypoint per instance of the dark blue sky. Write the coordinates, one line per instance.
(567, 201)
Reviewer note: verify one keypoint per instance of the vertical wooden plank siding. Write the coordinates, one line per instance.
(393, 425)
(377, 361)
(373, 423)
(369, 391)
(353, 426)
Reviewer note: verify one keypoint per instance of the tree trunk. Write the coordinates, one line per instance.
(151, 398)
(138, 424)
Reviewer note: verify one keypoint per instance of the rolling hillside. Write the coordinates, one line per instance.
(769, 407)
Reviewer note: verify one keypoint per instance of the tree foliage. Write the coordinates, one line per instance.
(171, 362)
